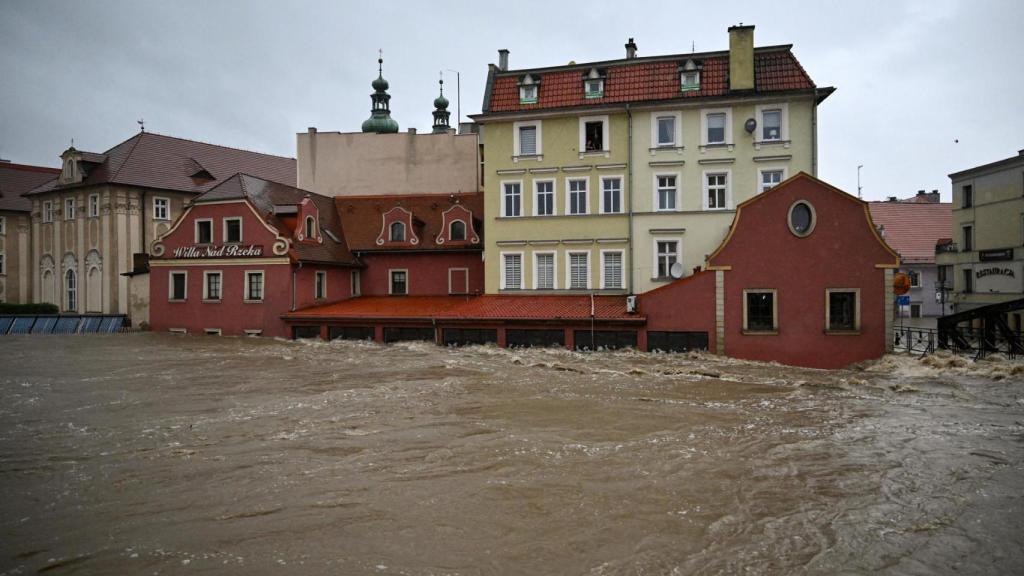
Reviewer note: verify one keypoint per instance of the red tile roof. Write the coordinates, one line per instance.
(361, 218)
(16, 179)
(912, 228)
(486, 307)
(654, 79)
(169, 163)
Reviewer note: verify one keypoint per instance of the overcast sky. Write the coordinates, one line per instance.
(912, 77)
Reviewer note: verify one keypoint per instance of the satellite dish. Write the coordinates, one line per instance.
(676, 271)
(750, 125)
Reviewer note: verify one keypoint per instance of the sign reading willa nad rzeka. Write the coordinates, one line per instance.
(213, 251)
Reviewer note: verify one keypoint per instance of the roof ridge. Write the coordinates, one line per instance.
(218, 145)
(385, 196)
(29, 167)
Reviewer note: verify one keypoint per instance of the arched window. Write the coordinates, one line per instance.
(309, 227)
(397, 232)
(457, 230)
(70, 299)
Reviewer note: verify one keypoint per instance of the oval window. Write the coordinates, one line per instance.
(801, 218)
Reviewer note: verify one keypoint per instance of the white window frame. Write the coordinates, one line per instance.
(516, 150)
(391, 231)
(704, 113)
(224, 231)
(48, 212)
(728, 189)
(588, 93)
(309, 227)
(465, 230)
(761, 172)
(622, 201)
(656, 200)
(523, 98)
(568, 269)
(677, 132)
(503, 184)
(605, 142)
(503, 280)
(656, 256)
(94, 205)
(391, 281)
(568, 195)
(622, 269)
(263, 286)
(170, 286)
(554, 269)
(536, 196)
(69, 208)
(196, 225)
(206, 285)
(465, 289)
(683, 86)
(775, 311)
(319, 294)
(166, 208)
(828, 311)
(783, 109)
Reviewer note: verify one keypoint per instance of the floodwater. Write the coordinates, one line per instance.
(161, 454)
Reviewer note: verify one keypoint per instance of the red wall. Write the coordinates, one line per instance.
(686, 305)
(428, 272)
(841, 252)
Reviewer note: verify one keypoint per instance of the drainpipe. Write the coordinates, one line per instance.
(629, 178)
(814, 136)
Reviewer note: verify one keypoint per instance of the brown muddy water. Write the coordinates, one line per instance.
(156, 454)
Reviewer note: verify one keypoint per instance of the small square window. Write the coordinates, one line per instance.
(759, 311)
(666, 131)
(161, 209)
(232, 230)
(528, 94)
(399, 282)
(843, 310)
(771, 125)
(689, 81)
(396, 232)
(770, 179)
(204, 232)
(594, 88)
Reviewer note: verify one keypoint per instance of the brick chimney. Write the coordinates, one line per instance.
(630, 49)
(503, 59)
(741, 57)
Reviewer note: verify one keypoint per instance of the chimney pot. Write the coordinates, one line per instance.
(630, 49)
(312, 129)
(503, 59)
(920, 192)
(412, 131)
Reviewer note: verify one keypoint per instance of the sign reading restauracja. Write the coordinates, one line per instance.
(998, 277)
(225, 251)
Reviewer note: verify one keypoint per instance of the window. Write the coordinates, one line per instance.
(771, 124)
(3, 264)
(665, 188)
(48, 211)
(528, 90)
(594, 88)
(611, 195)
(70, 294)
(968, 238)
(232, 230)
(915, 278)
(760, 312)
(204, 231)
(3, 225)
(577, 196)
(716, 191)
(94, 205)
(968, 196)
(396, 232)
(968, 286)
(356, 282)
(716, 128)
(457, 230)
(842, 310)
(544, 271)
(512, 271)
(254, 286)
(579, 270)
(801, 218)
(399, 282)
(689, 81)
(544, 204)
(310, 228)
(177, 290)
(771, 179)
(666, 254)
(211, 285)
(161, 208)
(666, 130)
(69, 208)
(594, 134)
(512, 202)
(320, 285)
(611, 269)
(527, 139)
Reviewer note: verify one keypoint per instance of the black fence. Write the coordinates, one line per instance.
(976, 342)
(64, 324)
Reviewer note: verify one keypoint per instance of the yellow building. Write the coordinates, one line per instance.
(617, 176)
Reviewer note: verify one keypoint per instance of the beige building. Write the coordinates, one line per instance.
(92, 223)
(15, 228)
(621, 175)
(984, 264)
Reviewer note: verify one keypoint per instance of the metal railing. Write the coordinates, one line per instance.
(975, 342)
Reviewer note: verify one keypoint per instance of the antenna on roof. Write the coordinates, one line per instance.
(693, 46)
(142, 124)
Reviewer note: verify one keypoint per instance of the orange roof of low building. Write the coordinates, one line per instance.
(382, 307)
(913, 229)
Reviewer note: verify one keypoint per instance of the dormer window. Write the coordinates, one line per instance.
(593, 84)
(528, 90)
(689, 76)
(310, 224)
(396, 233)
(457, 230)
